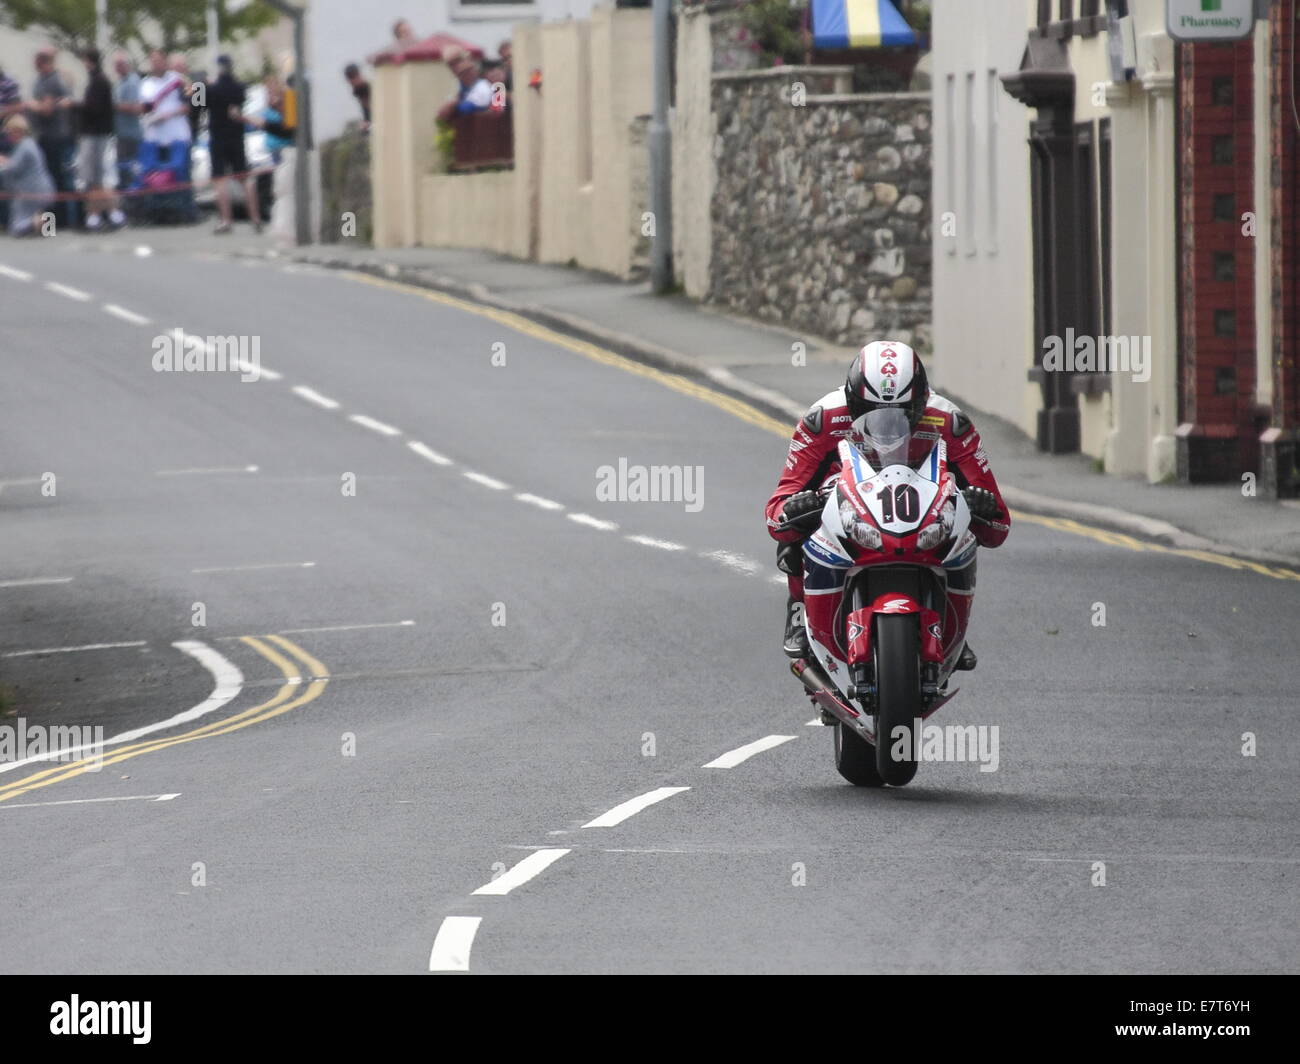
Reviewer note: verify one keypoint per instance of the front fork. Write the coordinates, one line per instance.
(862, 679)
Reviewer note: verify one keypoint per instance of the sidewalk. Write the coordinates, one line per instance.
(755, 361)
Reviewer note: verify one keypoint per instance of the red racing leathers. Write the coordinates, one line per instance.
(813, 457)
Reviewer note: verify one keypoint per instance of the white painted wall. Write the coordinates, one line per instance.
(983, 289)
(349, 31)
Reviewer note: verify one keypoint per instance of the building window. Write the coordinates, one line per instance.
(950, 138)
(970, 169)
(1225, 323)
(1104, 214)
(1221, 150)
(1221, 92)
(1223, 211)
(991, 105)
(1225, 266)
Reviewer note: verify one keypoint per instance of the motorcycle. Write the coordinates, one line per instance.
(885, 628)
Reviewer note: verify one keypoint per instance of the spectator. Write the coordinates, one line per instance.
(51, 125)
(506, 62)
(361, 90)
(11, 103)
(97, 123)
(26, 176)
(11, 96)
(178, 64)
(166, 113)
(279, 122)
(475, 93)
(226, 99)
(126, 102)
(403, 35)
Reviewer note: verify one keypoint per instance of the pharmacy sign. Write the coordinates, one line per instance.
(1210, 20)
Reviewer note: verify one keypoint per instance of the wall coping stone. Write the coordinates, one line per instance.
(768, 73)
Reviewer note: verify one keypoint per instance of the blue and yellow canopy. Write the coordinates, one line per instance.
(858, 24)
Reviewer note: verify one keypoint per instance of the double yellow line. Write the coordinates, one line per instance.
(304, 680)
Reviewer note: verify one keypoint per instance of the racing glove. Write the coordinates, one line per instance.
(983, 504)
(803, 511)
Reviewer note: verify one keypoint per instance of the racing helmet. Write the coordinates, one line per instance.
(886, 373)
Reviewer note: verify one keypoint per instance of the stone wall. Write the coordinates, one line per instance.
(822, 205)
(345, 186)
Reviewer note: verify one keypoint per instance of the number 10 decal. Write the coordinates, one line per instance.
(900, 503)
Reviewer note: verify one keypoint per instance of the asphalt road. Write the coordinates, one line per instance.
(442, 679)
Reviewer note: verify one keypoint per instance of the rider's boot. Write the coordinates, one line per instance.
(967, 661)
(796, 635)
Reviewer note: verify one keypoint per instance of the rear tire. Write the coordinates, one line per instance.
(898, 694)
(855, 758)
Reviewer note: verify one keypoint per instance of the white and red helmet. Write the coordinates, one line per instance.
(887, 373)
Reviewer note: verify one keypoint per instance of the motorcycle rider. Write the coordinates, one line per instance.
(884, 373)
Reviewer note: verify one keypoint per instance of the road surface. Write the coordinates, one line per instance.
(379, 672)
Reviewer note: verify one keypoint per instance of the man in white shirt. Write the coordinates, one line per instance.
(166, 110)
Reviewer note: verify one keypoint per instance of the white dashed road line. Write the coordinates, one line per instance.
(126, 315)
(532, 865)
(253, 568)
(208, 469)
(593, 522)
(732, 758)
(486, 481)
(375, 426)
(69, 291)
(14, 274)
(539, 502)
(72, 650)
(735, 562)
(452, 946)
(633, 806)
(313, 396)
(429, 454)
(650, 541)
(36, 581)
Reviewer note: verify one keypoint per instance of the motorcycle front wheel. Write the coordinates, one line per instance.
(898, 697)
(855, 758)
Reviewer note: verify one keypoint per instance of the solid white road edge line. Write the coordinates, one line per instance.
(455, 939)
(209, 469)
(732, 758)
(532, 865)
(342, 628)
(36, 581)
(229, 681)
(633, 806)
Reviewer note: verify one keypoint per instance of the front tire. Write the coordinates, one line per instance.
(898, 696)
(855, 758)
